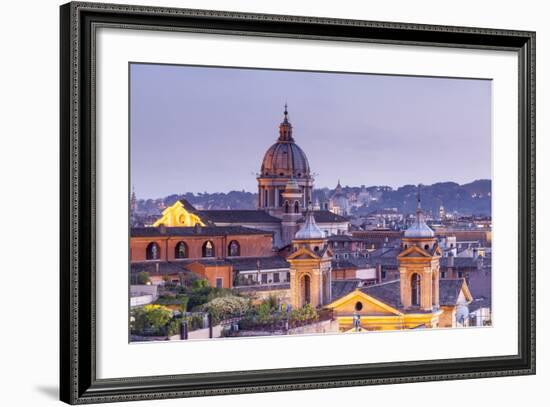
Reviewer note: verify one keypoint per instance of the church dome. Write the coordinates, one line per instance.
(419, 229)
(285, 158)
(338, 201)
(309, 230)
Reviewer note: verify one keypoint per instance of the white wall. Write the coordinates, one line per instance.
(29, 168)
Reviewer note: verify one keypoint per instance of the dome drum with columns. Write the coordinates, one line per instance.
(283, 162)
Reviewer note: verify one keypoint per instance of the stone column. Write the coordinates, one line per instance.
(426, 288)
(435, 293)
(295, 293)
(405, 287)
(314, 289)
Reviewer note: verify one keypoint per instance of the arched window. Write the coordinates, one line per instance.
(208, 249)
(415, 290)
(287, 207)
(153, 251)
(296, 207)
(266, 204)
(306, 290)
(181, 251)
(234, 248)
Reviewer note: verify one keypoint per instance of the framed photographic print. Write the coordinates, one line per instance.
(256, 203)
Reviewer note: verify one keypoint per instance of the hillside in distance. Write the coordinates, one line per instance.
(473, 198)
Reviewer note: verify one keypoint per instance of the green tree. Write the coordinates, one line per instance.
(272, 301)
(151, 318)
(226, 307)
(199, 283)
(306, 313)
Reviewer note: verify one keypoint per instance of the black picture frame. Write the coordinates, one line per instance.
(78, 382)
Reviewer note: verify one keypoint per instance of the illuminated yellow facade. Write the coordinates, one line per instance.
(374, 315)
(178, 215)
(419, 274)
(418, 299)
(310, 266)
(310, 277)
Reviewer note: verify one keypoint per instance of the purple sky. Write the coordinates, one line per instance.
(197, 129)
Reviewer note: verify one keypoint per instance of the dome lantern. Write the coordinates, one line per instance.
(310, 230)
(285, 128)
(419, 229)
(285, 158)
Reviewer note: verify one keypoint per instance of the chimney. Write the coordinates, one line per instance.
(450, 260)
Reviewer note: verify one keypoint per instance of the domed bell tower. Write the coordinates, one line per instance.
(283, 161)
(310, 266)
(419, 266)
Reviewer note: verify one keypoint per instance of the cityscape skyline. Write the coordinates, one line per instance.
(181, 114)
(316, 188)
(290, 258)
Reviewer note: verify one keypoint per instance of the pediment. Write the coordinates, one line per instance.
(178, 215)
(370, 305)
(303, 254)
(414, 251)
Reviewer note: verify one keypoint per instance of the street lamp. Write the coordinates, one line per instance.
(357, 322)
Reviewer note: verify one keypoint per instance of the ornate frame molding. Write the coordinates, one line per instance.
(79, 21)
